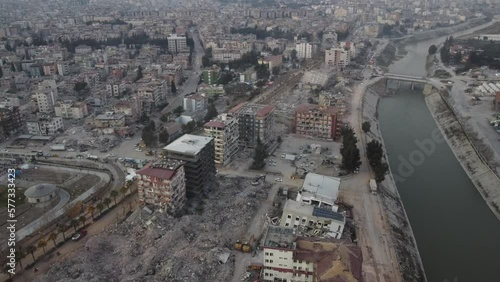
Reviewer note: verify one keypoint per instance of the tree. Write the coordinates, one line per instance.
(279, 139)
(374, 151)
(42, 244)
(432, 49)
(100, 207)
(260, 155)
(173, 88)
(74, 223)
(164, 137)
(380, 170)
(113, 194)
(310, 100)
(107, 201)
(365, 126)
(211, 112)
(205, 61)
(225, 78)
(351, 158)
(53, 237)
(82, 219)
(148, 136)
(139, 73)
(31, 249)
(276, 70)
(179, 110)
(293, 55)
(1, 72)
(189, 127)
(61, 228)
(91, 210)
(165, 117)
(262, 71)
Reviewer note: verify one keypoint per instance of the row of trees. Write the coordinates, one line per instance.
(262, 33)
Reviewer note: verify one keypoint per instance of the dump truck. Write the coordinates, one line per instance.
(247, 247)
(92, 157)
(373, 186)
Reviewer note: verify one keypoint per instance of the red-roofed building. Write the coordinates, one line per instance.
(317, 121)
(224, 129)
(163, 185)
(496, 102)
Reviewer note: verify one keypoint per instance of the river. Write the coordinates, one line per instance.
(457, 234)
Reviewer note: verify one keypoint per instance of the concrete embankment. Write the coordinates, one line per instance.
(485, 180)
(405, 245)
(431, 34)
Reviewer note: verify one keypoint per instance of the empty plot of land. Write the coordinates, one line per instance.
(43, 175)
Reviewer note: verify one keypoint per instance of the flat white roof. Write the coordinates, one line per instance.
(188, 143)
(321, 186)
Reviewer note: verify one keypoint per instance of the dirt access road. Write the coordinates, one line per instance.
(379, 260)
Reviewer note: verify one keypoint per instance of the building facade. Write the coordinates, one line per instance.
(211, 76)
(255, 121)
(45, 126)
(10, 120)
(45, 100)
(224, 129)
(197, 152)
(163, 185)
(317, 121)
(337, 57)
(195, 102)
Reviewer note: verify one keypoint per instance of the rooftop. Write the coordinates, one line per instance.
(310, 210)
(187, 143)
(164, 170)
(40, 190)
(280, 237)
(306, 108)
(321, 185)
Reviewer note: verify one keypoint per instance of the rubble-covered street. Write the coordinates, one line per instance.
(160, 248)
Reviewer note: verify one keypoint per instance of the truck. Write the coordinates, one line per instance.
(58, 147)
(92, 157)
(373, 186)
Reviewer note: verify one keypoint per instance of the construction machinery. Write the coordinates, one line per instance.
(247, 247)
(238, 245)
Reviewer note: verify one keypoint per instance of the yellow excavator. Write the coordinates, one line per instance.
(238, 245)
(247, 247)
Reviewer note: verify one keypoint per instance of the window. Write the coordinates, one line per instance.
(289, 216)
(270, 261)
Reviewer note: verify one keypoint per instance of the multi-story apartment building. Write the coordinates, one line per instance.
(337, 57)
(255, 121)
(313, 219)
(211, 75)
(45, 99)
(198, 154)
(305, 50)
(176, 43)
(71, 109)
(45, 125)
(152, 94)
(195, 102)
(62, 68)
(317, 121)
(224, 129)
(49, 69)
(308, 259)
(115, 88)
(10, 120)
(163, 185)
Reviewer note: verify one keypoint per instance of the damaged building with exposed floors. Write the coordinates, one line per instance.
(162, 184)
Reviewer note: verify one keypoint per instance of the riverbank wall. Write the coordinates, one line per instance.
(405, 245)
(482, 176)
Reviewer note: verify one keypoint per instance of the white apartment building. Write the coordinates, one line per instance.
(195, 102)
(312, 220)
(305, 50)
(45, 100)
(319, 191)
(62, 68)
(176, 43)
(45, 126)
(337, 57)
(225, 55)
(279, 263)
(224, 129)
(71, 110)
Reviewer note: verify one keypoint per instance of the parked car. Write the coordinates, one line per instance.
(277, 179)
(79, 235)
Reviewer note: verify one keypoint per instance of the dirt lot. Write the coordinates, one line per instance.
(161, 248)
(44, 176)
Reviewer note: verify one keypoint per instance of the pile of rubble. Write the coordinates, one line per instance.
(161, 248)
(81, 139)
